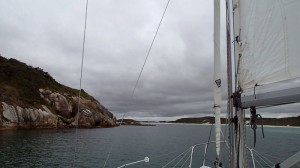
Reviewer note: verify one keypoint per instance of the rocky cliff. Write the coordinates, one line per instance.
(31, 98)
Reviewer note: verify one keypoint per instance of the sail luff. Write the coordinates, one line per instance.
(217, 75)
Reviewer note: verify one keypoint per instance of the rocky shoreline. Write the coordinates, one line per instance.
(63, 113)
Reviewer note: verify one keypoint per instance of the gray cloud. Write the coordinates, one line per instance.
(177, 79)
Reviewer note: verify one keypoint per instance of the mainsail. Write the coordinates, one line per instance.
(266, 50)
(269, 38)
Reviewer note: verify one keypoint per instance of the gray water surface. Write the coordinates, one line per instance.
(161, 143)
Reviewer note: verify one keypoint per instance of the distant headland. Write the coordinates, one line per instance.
(289, 121)
(132, 122)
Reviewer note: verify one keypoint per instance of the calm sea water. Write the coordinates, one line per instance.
(161, 143)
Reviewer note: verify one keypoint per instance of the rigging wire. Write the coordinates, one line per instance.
(80, 82)
(266, 163)
(148, 53)
(244, 140)
(224, 136)
(186, 161)
(264, 158)
(274, 157)
(159, 156)
(204, 158)
(108, 155)
(181, 159)
(258, 162)
(140, 73)
(187, 150)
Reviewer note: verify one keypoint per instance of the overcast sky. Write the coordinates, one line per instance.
(178, 76)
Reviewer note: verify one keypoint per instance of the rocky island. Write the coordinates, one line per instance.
(31, 98)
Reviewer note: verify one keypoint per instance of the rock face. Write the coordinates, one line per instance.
(17, 117)
(63, 114)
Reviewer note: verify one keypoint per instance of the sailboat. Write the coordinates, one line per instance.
(263, 40)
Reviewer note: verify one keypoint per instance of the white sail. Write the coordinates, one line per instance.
(217, 75)
(269, 41)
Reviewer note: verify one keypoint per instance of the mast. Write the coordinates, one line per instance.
(240, 140)
(229, 83)
(217, 78)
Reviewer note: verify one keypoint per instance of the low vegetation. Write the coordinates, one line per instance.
(290, 121)
(19, 83)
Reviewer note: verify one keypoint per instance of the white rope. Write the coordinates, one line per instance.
(205, 151)
(191, 160)
(144, 160)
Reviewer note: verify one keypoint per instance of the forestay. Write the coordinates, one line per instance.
(269, 38)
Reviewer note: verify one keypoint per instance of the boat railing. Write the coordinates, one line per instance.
(146, 160)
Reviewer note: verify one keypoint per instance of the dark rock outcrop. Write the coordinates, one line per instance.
(31, 98)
